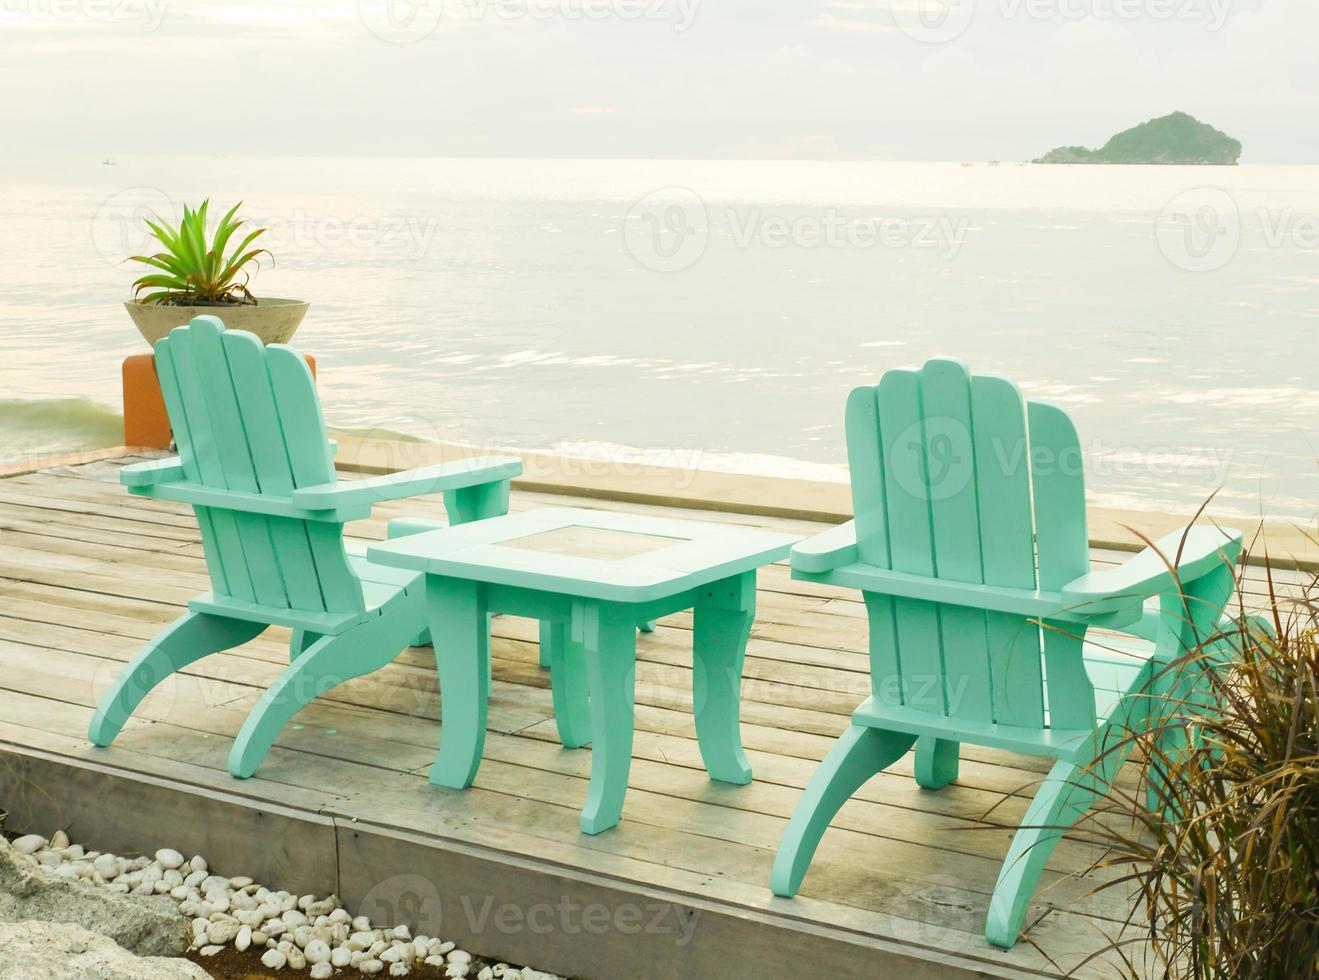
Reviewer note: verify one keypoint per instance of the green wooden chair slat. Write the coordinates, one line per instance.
(248, 427)
(246, 358)
(969, 544)
(1007, 545)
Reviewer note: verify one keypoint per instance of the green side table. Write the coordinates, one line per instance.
(590, 577)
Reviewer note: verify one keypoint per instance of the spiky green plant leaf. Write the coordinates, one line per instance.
(192, 270)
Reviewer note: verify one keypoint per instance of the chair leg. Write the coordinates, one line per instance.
(1066, 794)
(936, 762)
(326, 663)
(859, 753)
(301, 640)
(401, 527)
(186, 640)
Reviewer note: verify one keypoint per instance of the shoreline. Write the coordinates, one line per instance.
(1286, 545)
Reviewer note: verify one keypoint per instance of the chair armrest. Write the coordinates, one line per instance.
(151, 474)
(413, 483)
(1196, 551)
(1035, 603)
(826, 551)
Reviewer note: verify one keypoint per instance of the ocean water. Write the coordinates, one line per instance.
(714, 314)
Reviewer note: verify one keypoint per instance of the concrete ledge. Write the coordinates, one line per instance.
(128, 812)
(496, 904)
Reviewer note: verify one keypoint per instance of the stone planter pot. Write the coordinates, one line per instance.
(273, 320)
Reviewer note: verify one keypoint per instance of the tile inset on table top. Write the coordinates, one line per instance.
(597, 543)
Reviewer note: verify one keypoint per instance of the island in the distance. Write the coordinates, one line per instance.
(1175, 138)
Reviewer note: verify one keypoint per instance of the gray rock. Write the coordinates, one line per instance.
(144, 926)
(49, 951)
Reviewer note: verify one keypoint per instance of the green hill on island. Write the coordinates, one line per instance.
(1176, 138)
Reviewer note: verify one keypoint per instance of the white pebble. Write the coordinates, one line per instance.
(107, 866)
(210, 950)
(402, 932)
(360, 924)
(399, 969)
(341, 956)
(29, 844)
(370, 966)
(460, 956)
(321, 971)
(59, 840)
(239, 882)
(243, 939)
(273, 959)
(297, 960)
(222, 933)
(169, 858)
(317, 951)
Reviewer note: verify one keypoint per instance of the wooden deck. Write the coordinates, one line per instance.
(679, 889)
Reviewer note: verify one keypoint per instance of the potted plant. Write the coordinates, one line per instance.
(192, 276)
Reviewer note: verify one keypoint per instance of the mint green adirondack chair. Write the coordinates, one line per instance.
(256, 464)
(970, 546)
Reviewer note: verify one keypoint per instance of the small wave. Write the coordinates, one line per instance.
(32, 428)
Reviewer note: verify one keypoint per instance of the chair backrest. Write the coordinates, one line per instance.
(956, 477)
(246, 418)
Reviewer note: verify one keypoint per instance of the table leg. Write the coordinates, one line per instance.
(568, 683)
(608, 635)
(722, 616)
(457, 613)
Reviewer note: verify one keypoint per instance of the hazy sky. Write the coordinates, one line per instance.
(900, 79)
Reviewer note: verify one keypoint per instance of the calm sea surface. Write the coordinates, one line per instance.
(715, 314)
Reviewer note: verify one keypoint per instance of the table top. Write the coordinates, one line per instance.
(591, 554)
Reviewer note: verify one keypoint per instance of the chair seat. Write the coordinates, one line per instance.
(1113, 672)
(380, 584)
